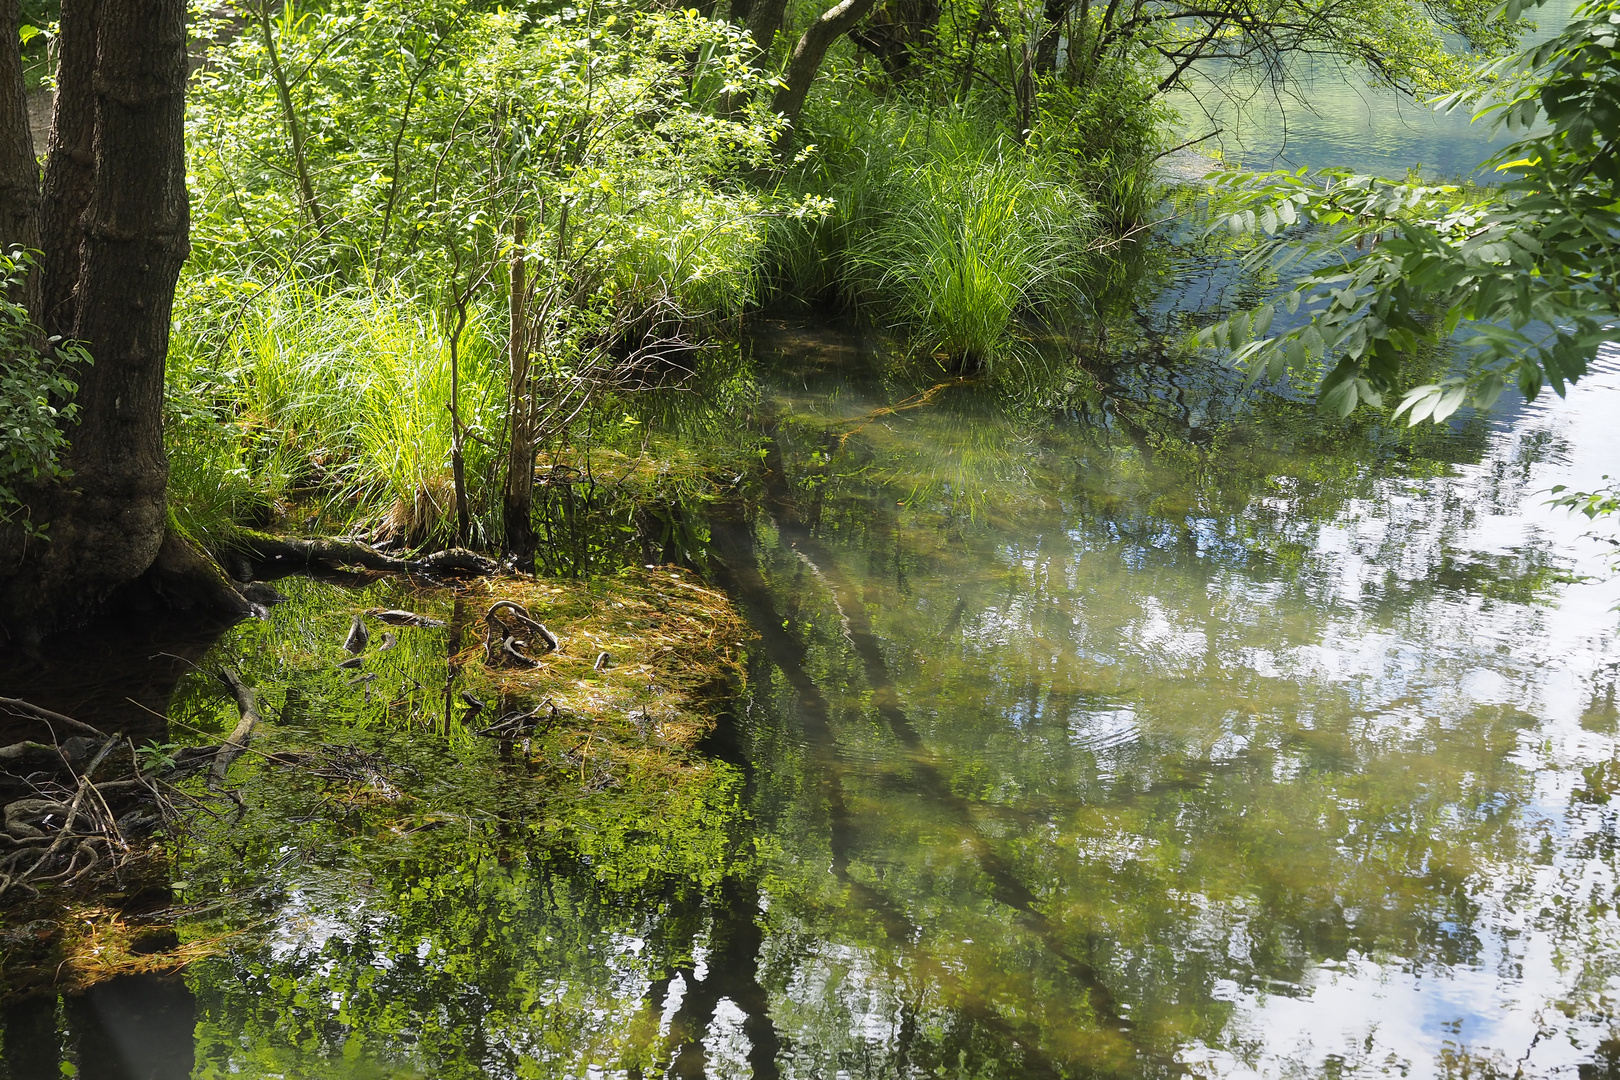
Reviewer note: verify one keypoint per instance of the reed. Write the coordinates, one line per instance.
(942, 228)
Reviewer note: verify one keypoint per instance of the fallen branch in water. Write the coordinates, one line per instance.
(248, 707)
(285, 553)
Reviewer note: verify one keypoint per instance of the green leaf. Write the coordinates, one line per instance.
(1448, 402)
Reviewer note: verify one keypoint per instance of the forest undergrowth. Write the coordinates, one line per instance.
(427, 245)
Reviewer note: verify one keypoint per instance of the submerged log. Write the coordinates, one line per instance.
(289, 553)
(396, 617)
(247, 706)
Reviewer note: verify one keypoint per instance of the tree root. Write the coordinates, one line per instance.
(503, 647)
(247, 706)
(75, 824)
(185, 579)
(280, 554)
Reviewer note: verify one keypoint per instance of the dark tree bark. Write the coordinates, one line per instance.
(19, 168)
(70, 164)
(764, 21)
(806, 62)
(116, 224)
(897, 34)
(1053, 12)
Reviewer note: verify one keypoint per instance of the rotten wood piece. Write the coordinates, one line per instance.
(247, 705)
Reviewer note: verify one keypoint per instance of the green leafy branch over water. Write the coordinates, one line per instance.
(1530, 270)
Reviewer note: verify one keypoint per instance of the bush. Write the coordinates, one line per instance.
(33, 436)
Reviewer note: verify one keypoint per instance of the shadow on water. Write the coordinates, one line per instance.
(135, 1027)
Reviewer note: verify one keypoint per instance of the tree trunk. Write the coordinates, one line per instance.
(19, 168)
(764, 20)
(899, 33)
(70, 165)
(806, 61)
(1053, 12)
(518, 505)
(107, 523)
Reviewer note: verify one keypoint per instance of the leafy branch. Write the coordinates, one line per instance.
(1522, 279)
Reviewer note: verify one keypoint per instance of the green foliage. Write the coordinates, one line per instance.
(339, 395)
(1530, 270)
(1594, 504)
(967, 246)
(1601, 503)
(156, 755)
(1416, 46)
(362, 170)
(429, 129)
(36, 392)
(941, 226)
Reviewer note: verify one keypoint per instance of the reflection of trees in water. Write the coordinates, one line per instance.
(1251, 824)
(1045, 746)
(134, 1027)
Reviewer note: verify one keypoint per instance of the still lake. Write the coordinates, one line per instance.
(1111, 720)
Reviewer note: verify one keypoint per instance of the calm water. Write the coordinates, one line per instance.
(1327, 114)
(1126, 725)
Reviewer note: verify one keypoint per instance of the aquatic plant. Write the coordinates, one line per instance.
(965, 250)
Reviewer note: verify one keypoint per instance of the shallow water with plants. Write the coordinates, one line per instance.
(992, 685)
(1134, 725)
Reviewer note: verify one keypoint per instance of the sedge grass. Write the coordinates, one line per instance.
(338, 401)
(942, 228)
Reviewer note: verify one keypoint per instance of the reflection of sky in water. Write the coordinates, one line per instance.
(1389, 1016)
(1156, 621)
(1330, 116)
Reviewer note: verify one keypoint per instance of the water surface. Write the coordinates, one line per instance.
(1131, 727)
(1113, 719)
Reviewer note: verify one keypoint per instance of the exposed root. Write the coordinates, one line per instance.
(505, 620)
(247, 707)
(81, 827)
(284, 555)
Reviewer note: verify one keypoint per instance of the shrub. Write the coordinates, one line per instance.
(33, 381)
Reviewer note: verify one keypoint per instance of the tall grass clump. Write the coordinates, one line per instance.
(336, 401)
(966, 249)
(941, 226)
